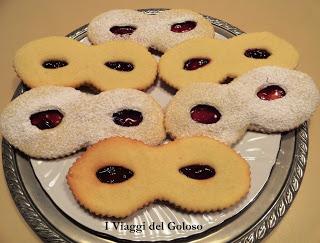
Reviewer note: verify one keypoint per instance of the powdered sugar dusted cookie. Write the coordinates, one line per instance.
(279, 99)
(66, 62)
(219, 61)
(207, 109)
(160, 31)
(51, 121)
(117, 176)
(266, 99)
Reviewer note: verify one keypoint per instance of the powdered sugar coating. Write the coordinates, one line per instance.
(151, 30)
(229, 129)
(300, 101)
(87, 119)
(241, 108)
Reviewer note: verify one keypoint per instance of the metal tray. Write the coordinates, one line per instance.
(250, 225)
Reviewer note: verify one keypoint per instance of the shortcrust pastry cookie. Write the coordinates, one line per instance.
(267, 99)
(207, 109)
(52, 121)
(220, 61)
(66, 62)
(160, 31)
(117, 176)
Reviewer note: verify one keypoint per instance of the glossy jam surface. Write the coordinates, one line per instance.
(198, 172)
(127, 118)
(54, 64)
(114, 174)
(120, 66)
(195, 63)
(257, 53)
(183, 26)
(205, 114)
(46, 119)
(271, 92)
(123, 30)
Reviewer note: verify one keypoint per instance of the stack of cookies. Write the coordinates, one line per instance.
(135, 149)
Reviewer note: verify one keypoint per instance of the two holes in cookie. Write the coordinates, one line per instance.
(207, 114)
(113, 174)
(52, 118)
(199, 62)
(116, 65)
(177, 28)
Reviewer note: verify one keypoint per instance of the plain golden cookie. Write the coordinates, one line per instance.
(117, 176)
(220, 61)
(65, 62)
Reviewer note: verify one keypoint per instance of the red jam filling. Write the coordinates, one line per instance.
(127, 118)
(113, 174)
(54, 64)
(195, 63)
(205, 114)
(120, 66)
(46, 119)
(122, 30)
(198, 172)
(257, 53)
(271, 92)
(183, 27)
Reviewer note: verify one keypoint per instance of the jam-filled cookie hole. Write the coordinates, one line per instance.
(113, 174)
(271, 92)
(123, 30)
(127, 118)
(120, 66)
(195, 63)
(198, 172)
(183, 26)
(227, 80)
(257, 53)
(54, 64)
(205, 114)
(46, 119)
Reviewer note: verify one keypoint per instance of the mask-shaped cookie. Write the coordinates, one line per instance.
(220, 61)
(117, 176)
(50, 122)
(160, 31)
(268, 99)
(65, 62)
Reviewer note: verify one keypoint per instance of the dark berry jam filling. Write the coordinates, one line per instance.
(154, 51)
(195, 63)
(257, 53)
(127, 118)
(205, 114)
(271, 92)
(89, 89)
(183, 27)
(54, 64)
(120, 66)
(123, 30)
(227, 80)
(113, 174)
(198, 172)
(46, 119)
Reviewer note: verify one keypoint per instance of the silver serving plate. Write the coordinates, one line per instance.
(250, 225)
